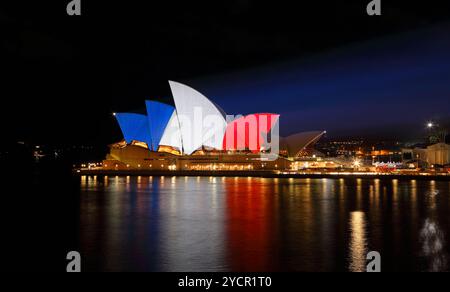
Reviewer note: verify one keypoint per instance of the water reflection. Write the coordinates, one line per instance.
(432, 236)
(252, 226)
(433, 246)
(194, 224)
(358, 242)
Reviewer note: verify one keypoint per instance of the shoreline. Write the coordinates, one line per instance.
(261, 174)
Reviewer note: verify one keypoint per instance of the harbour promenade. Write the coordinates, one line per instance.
(266, 174)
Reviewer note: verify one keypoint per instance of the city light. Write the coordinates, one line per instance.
(356, 163)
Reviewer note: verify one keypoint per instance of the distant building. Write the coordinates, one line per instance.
(434, 155)
(438, 154)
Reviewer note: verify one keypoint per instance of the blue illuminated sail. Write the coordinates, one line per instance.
(134, 127)
(158, 115)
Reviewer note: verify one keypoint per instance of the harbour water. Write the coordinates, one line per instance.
(207, 224)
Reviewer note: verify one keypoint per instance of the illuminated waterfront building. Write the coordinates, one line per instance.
(195, 134)
(433, 155)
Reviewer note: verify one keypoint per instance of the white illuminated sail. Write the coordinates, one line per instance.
(201, 122)
(172, 134)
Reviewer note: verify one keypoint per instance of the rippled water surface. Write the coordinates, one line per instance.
(255, 224)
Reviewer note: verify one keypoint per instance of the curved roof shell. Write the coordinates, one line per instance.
(172, 134)
(201, 122)
(159, 115)
(296, 143)
(134, 127)
(249, 132)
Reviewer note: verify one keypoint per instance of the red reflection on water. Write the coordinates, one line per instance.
(251, 227)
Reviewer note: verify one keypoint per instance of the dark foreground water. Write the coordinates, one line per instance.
(189, 224)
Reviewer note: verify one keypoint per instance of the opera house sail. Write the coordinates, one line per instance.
(159, 115)
(172, 134)
(201, 123)
(134, 127)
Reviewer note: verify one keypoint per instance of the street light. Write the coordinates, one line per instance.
(430, 125)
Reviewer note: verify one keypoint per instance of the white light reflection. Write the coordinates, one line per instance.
(358, 242)
(83, 181)
(433, 246)
(432, 236)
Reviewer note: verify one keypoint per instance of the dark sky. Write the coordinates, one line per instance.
(325, 65)
(387, 87)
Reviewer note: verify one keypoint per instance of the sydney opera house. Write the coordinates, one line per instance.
(195, 134)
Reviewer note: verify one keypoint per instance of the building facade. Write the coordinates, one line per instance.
(433, 155)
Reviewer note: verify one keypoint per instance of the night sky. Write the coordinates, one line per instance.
(321, 66)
